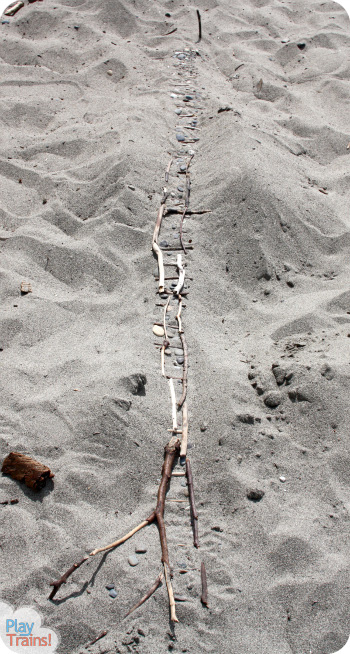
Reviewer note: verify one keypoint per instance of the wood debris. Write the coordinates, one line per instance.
(23, 468)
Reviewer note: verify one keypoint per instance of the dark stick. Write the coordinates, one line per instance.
(188, 190)
(199, 26)
(185, 369)
(57, 584)
(204, 596)
(149, 594)
(171, 32)
(190, 211)
(101, 635)
(192, 503)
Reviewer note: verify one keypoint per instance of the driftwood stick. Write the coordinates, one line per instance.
(92, 642)
(187, 190)
(149, 594)
(173, 404)
(185, 370)
(184, 438)
(57, 584)
(199, 27)
(204, 596)
(181, 226)
(156, 249)
(192, 503)
(171, 452)
(121, 540)
(181, 270)
(167, 575)
(178, 315)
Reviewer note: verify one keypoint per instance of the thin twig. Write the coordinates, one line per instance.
(167, 575)
(199, 27)
(192, 503)
(92, 642)
(199, 212)
(57, 584)
(185, 370)
(204, 596)
(178, 316)
(149, 594)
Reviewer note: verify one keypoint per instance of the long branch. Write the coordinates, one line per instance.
(185, 370)
(192, 503)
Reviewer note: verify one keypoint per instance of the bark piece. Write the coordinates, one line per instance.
(23, 468)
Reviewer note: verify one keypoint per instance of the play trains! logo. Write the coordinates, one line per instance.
(21, 631)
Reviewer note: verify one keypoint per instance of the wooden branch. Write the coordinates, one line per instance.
(192, 503)
(204, 596)
(171, 452)
(149, 594)
(199, 27)
(57, 584)
(23, 468)
(185, 370)
(184, 439)
(173, 404)
(181, 270)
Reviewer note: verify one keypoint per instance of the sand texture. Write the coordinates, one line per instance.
(88, 125)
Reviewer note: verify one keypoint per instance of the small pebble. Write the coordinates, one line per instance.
(191, 152)
(184, 484)
(133, 560)
(188, 98)
(183, 168)
(181, 57)
(131, 187)
(112, 593)
(164, 296)
(109, 72)
(110, 586)
(203, 426)
(141, 549)
(173, 95)
(178, 111)
(180, 188)
(282, 479)
(158, 330)
(164, 244)
(178, 352)
(180, 137)
(179, 360)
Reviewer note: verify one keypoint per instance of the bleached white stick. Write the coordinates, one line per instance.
(173, 403)
(181, 270)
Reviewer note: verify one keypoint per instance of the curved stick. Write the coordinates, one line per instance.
(149, 594)
(185, 370)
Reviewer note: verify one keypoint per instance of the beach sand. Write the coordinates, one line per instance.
(87, 125)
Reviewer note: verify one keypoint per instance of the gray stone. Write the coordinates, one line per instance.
(180, 188)
(180, 137)
(178, 352)
(164, 244)
(133, 560)
(279, 374)
(112, 593)
(246, 418)
(327, 372)
(109, 586)
(180, 360)
(178, 111)
(183, 168)
(273, 399)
